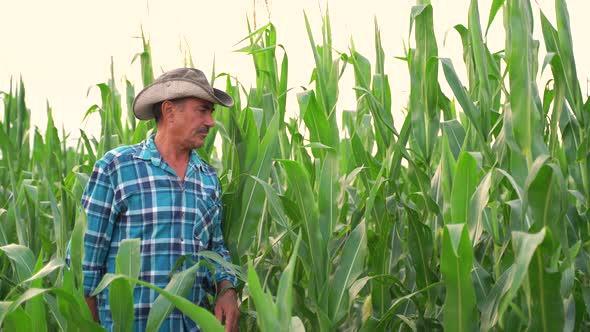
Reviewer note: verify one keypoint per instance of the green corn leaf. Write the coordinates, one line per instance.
(444, 175)
(130, 93)
(328, 192)
(147, 72)
(566, 49)
(464, 185)
(282, 93)
(478, 203)
(456, 264)
(546, 301)
(544, 192)
(199, 315)
(73, 307)
(396, 304)
(455, 135)
(121, 304)
(77, 245)
(62, 317)
(217, 259)
(482, 281)
(179, 285)
(299, 189)
(3, 237)
(276, 208)
(45, 270)
(520, 53)
(524, 245)
(88, 146)
(22, 260)
(257, 32)
(35, 307)
(243, 231)
(120, 290)
(9, 307)
(424, 90)
(472, 112)
(128, 258)
(285, 289)
(248, 147)
(496, 5)
(326, 70)
(350, 268)
(58, 222)
(316, 121)
(480, 57)
(421, 248)
(268, 317)
(17, 320)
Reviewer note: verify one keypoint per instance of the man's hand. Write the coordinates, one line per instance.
(227, 307)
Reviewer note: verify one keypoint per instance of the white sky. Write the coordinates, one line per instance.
(61, 48)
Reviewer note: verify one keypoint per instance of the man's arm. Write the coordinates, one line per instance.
(91, 302)
(218, 245)
(97, 201)
(226, 306)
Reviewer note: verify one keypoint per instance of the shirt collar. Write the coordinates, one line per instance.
(149, 152)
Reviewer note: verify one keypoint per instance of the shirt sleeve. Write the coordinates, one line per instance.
(218, 245)
(98, 202)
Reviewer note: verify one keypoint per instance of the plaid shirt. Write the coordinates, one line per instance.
(134, 193)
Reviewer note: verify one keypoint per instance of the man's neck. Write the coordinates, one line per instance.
(173, 153)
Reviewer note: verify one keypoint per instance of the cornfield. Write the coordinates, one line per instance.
(472, 216)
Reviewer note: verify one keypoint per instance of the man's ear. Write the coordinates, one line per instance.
(168, 110)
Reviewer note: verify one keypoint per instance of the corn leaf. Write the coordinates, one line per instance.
(199, 315)
(22, 259)
(546, 302)
(350, 268)
(456, 264)
(285, 289)
(268, 318)
(464, 185)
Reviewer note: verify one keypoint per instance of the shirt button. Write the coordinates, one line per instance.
(181, 239)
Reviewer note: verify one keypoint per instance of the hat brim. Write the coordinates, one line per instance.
(174, 89)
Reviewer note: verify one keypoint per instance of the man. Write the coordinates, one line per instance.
(161, 192)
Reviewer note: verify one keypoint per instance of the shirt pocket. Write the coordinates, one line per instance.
(203, 227)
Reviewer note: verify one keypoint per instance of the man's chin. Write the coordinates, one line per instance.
(200, 140)
(198, 143)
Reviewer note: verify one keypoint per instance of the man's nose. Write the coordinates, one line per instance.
(209, 121)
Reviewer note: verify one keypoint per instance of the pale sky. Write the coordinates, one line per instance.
(61, 48)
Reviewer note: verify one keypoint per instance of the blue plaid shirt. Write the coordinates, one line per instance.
(134, 193)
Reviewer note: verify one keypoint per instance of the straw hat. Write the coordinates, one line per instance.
(177, 83)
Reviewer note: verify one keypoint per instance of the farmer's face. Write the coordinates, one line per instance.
(193, 117)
